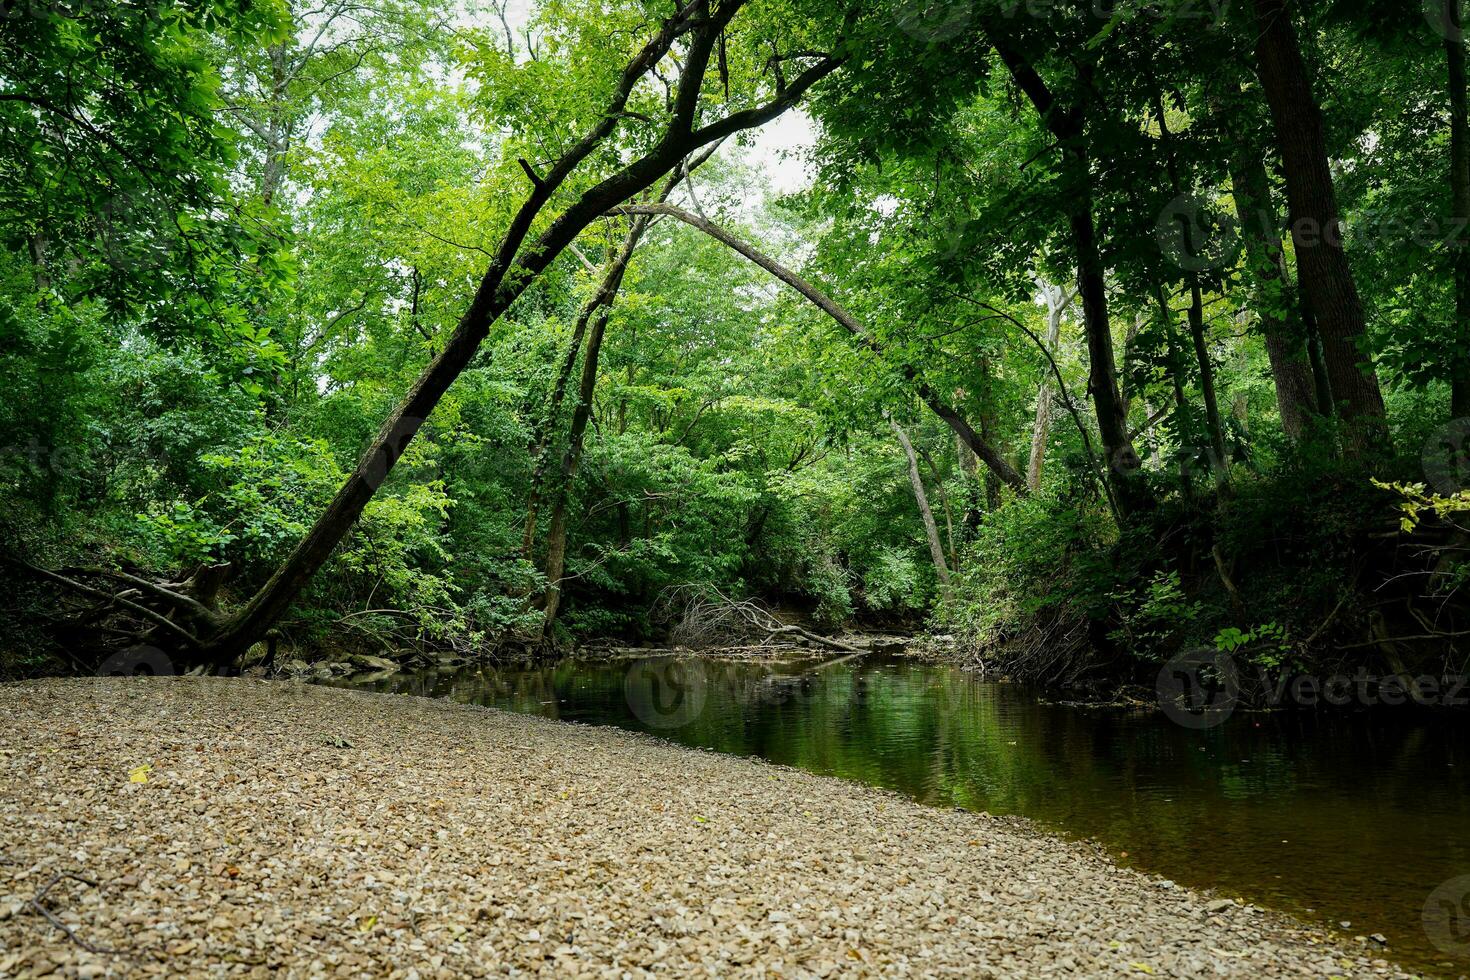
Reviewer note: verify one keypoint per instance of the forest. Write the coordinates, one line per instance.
(1083, 333)
(734, 488)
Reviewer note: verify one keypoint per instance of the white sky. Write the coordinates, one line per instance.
(780, 149)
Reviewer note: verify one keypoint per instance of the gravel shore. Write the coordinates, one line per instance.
(254, 827)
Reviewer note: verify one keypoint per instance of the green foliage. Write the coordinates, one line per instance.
(1033, 560)
(1154, 614)
(1267, 644)
(234, 239)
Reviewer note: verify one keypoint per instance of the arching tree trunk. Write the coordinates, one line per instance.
(1322, 265)
(986, 452)
(931, 530)
(508, 275)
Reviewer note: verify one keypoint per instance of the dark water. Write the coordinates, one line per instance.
(1336, 817)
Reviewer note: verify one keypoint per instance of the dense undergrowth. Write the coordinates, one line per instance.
(1308, 567)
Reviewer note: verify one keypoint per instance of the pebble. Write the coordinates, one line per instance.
(453, 840)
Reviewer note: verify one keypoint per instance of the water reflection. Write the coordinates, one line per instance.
(1339, 817)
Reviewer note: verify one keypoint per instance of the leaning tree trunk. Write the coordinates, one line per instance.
(556, 534)
(509, 274)
(931, 530)
(1316, 230)
(988, 454)
(1454, 45)
(603, 298)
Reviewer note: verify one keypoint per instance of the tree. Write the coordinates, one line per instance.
(1327, 281)
(511, 271)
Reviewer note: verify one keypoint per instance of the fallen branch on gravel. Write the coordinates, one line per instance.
(51, 917)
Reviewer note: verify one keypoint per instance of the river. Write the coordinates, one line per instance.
(1333, 816)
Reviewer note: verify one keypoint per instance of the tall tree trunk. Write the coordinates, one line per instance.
(1285, 347)
(275, 132)
(498, 288)
(988, 454)
(1219, 464)
(970, 466)
(36, 243)
(931, 530)
(1321, 383)
(1124, 466)
(602, 301)
(604, 296)
(1183, 428)
(1454, 45)
(1322, 264)
(988, 434)
(944, 505)
(1058, 298)
(556, 532)
(1068, 125)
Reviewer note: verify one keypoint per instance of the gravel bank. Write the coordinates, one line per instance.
(326, 832)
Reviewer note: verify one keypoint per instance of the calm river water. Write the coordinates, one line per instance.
(1337, 817)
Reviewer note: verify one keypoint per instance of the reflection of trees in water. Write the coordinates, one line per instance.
(1385, 793)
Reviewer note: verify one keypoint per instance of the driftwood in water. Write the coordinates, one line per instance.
(707, 618)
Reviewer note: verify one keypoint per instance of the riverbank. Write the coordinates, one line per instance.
(252, 826)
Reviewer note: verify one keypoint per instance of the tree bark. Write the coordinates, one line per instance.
(1322, 265)
(509, 274)
(1058, 298)
(603, 298)
(1220, 464)
(931, 530)
(1285, 347)
(987, 453)
(1454, 45)
(1068, 125)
